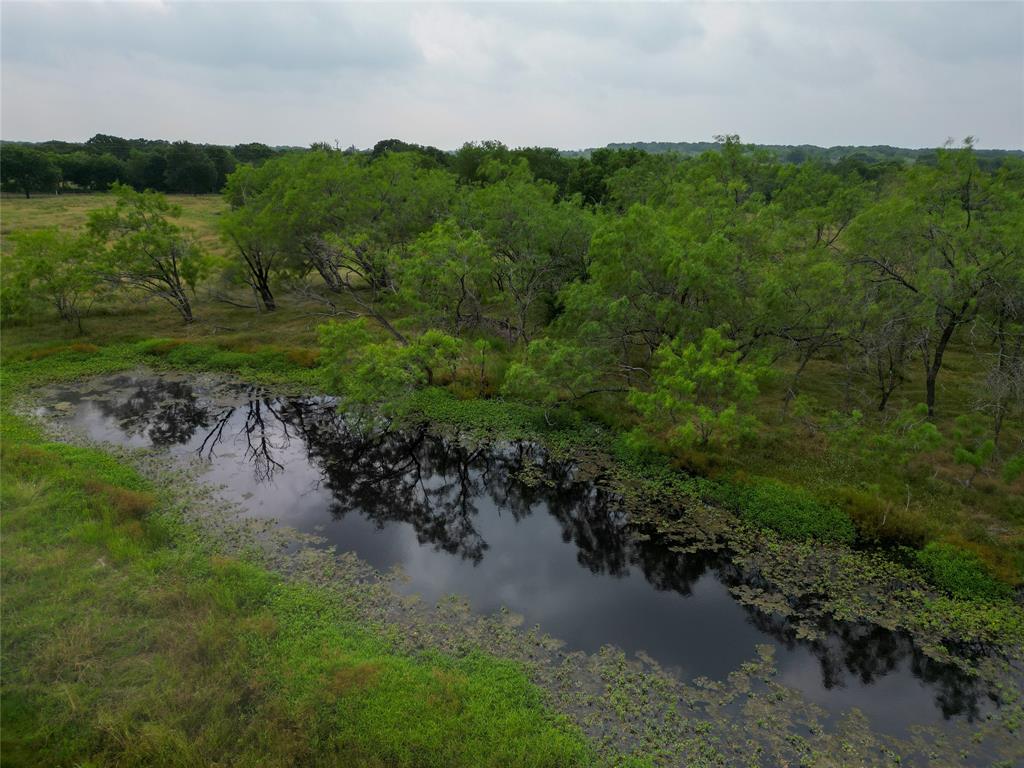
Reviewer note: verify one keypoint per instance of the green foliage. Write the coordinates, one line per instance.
(27, 170)
(958, 571)
(662, 284)
(190, 169)
(448, 273)
(91, 171)
(899, 440)
(139, 247)
(252, 228)
(537, 243)
(973, 446)
(699, 392)
(944, 241)
(555, 372)
(1013, 468)
(793, 512)
(51, 267)
(377, 377)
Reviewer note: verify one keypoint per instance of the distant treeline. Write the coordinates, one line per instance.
(164, 166)
(799, 153)
(183, 167)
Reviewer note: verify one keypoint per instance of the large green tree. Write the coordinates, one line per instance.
(251, 227)
(53, 267)
(947, 237)
(700, 393)
(138, 246)
(27, 170)
(189, 169)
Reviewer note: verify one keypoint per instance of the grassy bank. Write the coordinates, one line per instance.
(128, 640)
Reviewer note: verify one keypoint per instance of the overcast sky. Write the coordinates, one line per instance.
(565, 75)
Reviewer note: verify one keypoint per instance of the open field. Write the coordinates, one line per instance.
(70, 211)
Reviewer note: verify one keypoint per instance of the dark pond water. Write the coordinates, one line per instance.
(508, 526)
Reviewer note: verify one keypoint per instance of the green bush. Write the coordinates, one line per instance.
(158, 347)
(959, 572)
(792, 512)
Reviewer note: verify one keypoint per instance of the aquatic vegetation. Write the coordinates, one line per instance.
(959, 572)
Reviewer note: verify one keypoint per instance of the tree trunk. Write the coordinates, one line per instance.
(266, 297)
(884, 400)
(183, 306)
(932, 367)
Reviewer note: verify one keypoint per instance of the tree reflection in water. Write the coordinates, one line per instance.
(435, 485)
(165, 412)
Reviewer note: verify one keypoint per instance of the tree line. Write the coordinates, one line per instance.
(95, 165)
(682, 283)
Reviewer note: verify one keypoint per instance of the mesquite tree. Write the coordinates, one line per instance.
(946, 239)
(136, 246)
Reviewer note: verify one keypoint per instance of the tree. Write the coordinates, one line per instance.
(555, 372)
(254, 153)
(432, 156)
(54, 267)
(945, 239)
(147, 169)
(590, 177)
(120, 148)
(91, 171)
(539, 244)
(223, 163)
(893, 444)
(699, 392)
(547, 164)
(27, 170)
(472, 155)
(251, 228)
(376, 377)
(351, 220)
(189, 169)
(971, 445)
(449, 273)
(138, 247)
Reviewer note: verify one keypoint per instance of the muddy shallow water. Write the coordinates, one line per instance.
(507, 526)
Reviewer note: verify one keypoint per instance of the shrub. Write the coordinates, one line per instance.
(879, 519)
(125, 503)
(158, 347)
(304, 358)
(959, 572)
(792, 512)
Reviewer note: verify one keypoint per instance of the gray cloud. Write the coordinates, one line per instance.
(566, 74)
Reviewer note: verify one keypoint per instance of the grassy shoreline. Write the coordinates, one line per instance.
(210, 658)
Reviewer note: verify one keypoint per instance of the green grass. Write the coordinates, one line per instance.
(70, 211)
(792, 512)
(959, 572)
(127, 641)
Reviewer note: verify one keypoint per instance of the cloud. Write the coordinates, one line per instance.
(565, 74)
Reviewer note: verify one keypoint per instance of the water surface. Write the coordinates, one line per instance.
(508, 526)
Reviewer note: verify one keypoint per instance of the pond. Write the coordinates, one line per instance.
(506, 525)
